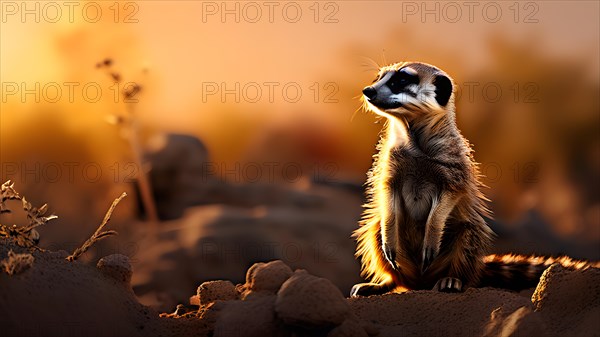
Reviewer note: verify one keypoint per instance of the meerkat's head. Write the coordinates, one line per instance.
(410, 90)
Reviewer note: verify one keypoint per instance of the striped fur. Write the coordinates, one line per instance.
(519, 272)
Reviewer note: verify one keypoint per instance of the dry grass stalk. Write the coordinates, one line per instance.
(98, 234)
(7, 192)
(25, 236)
(129, 122)
(36, 215)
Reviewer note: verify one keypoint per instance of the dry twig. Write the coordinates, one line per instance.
(129, 122)
(98, 234)
(7, 192)
(25, 236)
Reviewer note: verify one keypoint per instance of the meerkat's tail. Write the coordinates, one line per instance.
(518, 272)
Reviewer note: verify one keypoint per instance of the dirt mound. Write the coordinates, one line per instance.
(55, 297)
(51, 296)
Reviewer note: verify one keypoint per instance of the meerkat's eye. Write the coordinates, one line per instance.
(401, 79)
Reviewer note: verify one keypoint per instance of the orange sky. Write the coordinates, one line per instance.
(185, 48)
(182, 51)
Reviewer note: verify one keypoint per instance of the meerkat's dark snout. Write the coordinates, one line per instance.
(370, 92)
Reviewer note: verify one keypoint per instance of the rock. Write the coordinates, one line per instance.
(211, 291)
(178, 173)
(581, 287)
(266, 277)
(254, 318)
(116, 266)
(211, 312)
(569, 300)
(195, 300)
(310, 301)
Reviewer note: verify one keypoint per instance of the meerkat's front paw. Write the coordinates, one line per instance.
(367, 289)
(429, 254)
(390, 255)
(448, 284)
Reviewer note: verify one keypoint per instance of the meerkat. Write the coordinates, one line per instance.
(423, 224)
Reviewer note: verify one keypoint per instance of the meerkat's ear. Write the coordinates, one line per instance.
(443, 89)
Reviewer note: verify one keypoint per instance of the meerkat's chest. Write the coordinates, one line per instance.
(417, 182)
